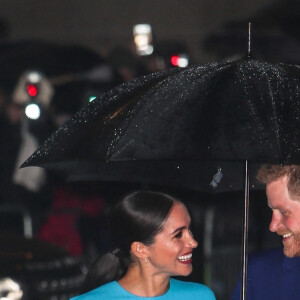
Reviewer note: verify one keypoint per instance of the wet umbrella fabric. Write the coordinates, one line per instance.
(184, 127)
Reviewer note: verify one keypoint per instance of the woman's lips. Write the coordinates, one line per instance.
(185, 258)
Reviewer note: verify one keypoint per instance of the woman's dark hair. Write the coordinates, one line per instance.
(137, 217)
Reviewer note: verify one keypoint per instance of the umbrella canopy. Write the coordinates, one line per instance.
(190, 126)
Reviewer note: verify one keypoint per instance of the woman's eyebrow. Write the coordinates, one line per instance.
(178, 229)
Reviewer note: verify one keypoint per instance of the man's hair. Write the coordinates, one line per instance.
(268, 173)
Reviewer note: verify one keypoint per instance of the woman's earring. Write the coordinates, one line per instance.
(146, 260)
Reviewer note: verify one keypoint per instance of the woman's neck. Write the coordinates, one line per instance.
(142, 282)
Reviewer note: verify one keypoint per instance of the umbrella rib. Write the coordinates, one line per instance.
(207, 73)
(274, 109)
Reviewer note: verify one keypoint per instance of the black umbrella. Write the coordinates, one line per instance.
(198, 127)
(220, 113)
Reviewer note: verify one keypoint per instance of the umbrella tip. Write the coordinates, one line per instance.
(249, 40)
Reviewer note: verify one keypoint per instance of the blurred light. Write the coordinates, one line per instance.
(142, 36)
(32, 89)
(181, 60)
(34, 77)
(10, 290)
(32, 111)
(174, 60)
(92, 98)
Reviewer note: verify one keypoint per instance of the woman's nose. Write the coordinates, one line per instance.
(275, 221)
(192, 242)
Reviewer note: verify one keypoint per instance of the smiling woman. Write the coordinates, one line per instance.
(152, 241)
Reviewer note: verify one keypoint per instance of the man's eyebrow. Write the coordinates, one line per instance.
(178, 229)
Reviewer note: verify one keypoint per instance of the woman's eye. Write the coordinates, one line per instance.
(178, 235)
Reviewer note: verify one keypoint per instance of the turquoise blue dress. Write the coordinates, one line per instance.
(179, 290)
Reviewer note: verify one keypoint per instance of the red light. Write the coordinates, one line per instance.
(175, 60)
(32, 90)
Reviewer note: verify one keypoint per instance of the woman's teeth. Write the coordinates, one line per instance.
(185, 257)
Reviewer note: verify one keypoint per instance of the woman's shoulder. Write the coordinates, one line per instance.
(107, 290)
(178, 290)
(192, 289)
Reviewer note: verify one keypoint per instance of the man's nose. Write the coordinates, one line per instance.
(275, 221)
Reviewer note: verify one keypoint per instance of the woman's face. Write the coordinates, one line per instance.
(171, 252)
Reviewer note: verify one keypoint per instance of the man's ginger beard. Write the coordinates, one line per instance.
(292, 247)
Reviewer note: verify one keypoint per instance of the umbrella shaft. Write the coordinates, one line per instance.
(245, 236)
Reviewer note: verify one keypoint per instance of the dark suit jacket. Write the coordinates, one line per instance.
(271, 276)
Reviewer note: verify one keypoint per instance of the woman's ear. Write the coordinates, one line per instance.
(139, 250)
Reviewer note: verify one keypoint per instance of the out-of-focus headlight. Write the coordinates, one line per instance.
(32, 111)
(10, 289)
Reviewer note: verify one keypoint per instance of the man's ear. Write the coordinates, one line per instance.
(139, 250)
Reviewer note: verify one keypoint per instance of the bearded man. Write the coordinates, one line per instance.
(275, 274)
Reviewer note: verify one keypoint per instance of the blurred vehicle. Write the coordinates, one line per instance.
(34, 91)
(53, 80)
(31, 269)
(169, 54)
